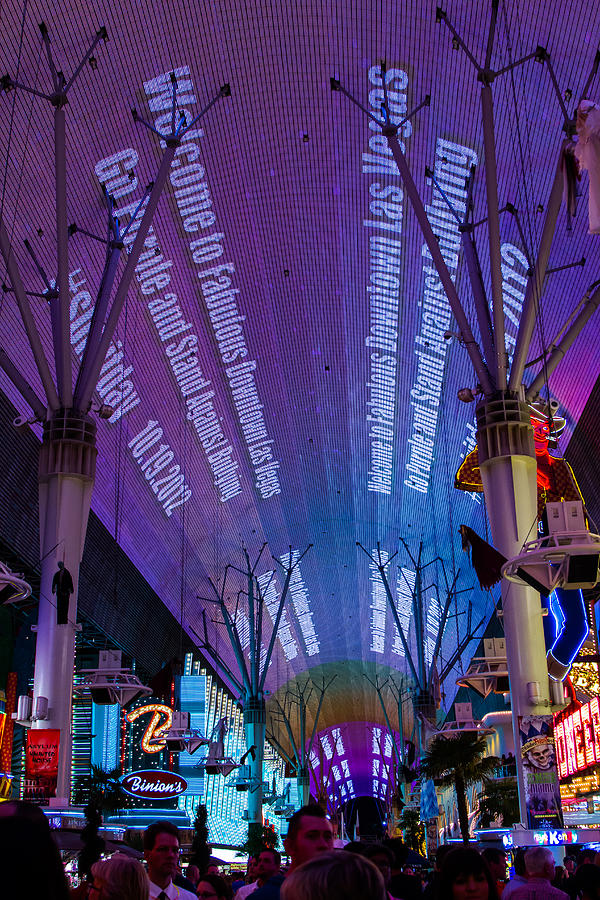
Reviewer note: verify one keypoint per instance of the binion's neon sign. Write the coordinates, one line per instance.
(153, 738)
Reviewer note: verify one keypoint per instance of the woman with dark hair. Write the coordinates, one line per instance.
(465, 876)
(29, 859)
(213, 887)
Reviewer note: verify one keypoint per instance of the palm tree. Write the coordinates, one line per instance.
(201, 849)
(499, 802)
(413, 830)
(106, 792)
(459, 762)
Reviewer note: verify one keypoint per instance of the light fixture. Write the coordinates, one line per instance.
(13, 587)
(568, 557)
(110, 683)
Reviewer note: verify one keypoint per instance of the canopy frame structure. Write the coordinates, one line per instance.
(300, 697)
(253, 672)
(68, 452)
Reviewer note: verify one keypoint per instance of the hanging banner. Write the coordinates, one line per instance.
(41, 763)
(540, 774)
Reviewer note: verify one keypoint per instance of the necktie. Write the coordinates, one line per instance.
(163, 896)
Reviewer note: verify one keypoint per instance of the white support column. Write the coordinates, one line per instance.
(303, 781)
(509, 474)
(255, 718)
(66, 479)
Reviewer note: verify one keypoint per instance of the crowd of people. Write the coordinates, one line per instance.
(32, 868)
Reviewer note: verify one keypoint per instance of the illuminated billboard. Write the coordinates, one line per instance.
(577, 738)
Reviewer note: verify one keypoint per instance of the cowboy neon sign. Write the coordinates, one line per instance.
(154, 737)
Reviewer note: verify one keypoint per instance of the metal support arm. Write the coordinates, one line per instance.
(90, 377)
(28, 320)
(589, 307)
(481, 370)
(22, 385)
(491, 185)
(533, 292)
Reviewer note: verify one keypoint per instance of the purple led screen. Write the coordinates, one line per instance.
(282, 344)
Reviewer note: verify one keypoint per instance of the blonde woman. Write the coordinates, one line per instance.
(337, 875)
(119, 878)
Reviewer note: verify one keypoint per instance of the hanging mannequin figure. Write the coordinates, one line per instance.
(62, 586)
(566, 625)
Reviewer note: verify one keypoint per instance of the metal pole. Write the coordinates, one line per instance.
(390, 132)
(417, 605)
(533, 293)
(99, 314)
(275, 628)
(389, 727)
(61, 323)
(509, 474)
(22, 385)
(589, 308)
(398, 624)
(90, 377)
(255, 726)
(482, 309)
(254, 650)
(318, 713)
(235, 646)
(288, 728)
(28, 320)
(440, 634)
(491, 186)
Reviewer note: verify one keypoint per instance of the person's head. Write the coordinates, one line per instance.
(464, 875)
(192, 873)
(440, 855)
(213, 887)
(161, 852)
(269, 862)
(496, 860)
(539, 862)
(355, 847)
(335, 875)
(587, 881)
(383, 858)
(29, 858)
(519, 863)
(117, 877)
(569, 865)
(309, 833)
(213, 869)
(400, 851)
(23, 809)
(251, 870)
(586, 856)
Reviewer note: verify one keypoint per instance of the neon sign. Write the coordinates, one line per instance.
(554, 838)
(550, 838)
(154, 784)
(153, 739)
(577, 739)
